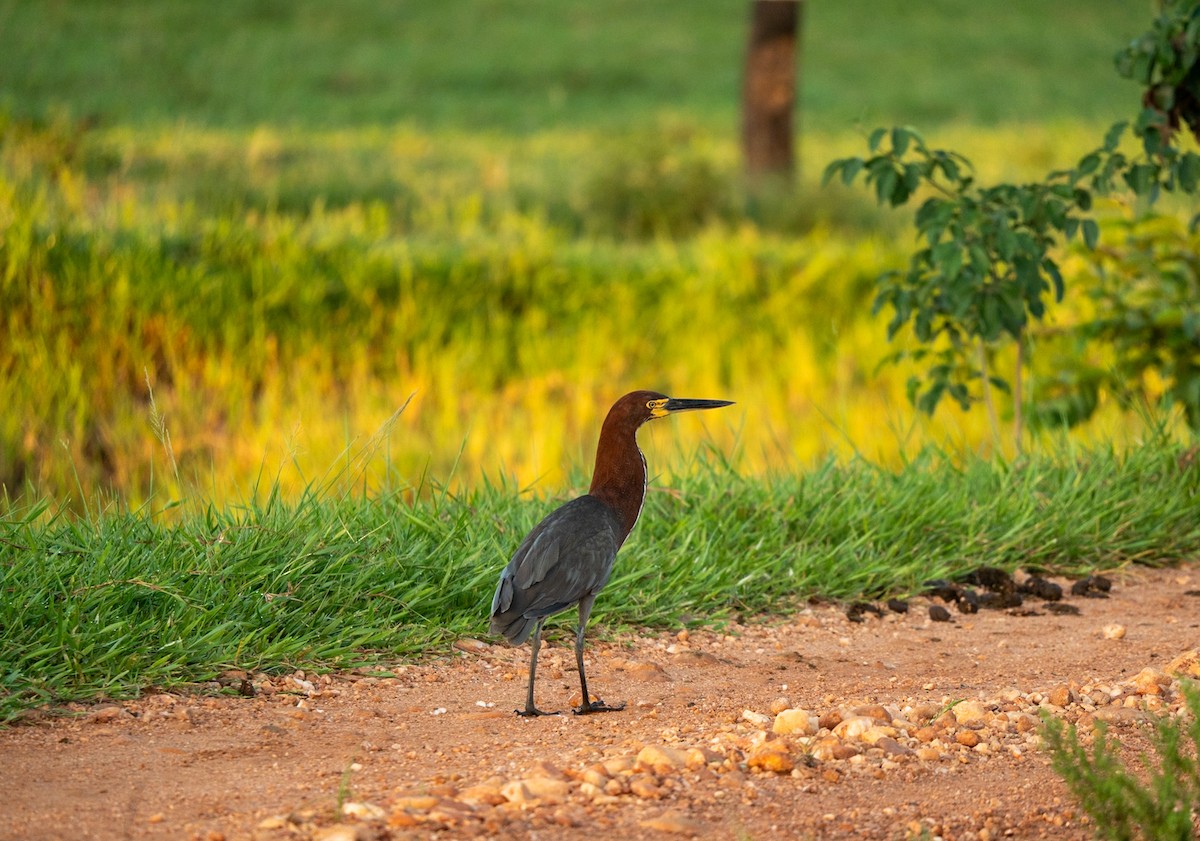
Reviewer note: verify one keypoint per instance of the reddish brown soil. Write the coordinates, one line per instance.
(274, 765)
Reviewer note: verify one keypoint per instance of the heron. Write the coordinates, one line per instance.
(568, 557)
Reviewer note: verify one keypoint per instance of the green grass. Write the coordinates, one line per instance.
(520, 66)
(117, 601)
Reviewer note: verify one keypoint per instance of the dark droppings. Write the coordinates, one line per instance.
(856, 610)
(1092, 587)
(1040, 588)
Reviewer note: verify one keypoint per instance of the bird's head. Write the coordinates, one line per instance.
(637, 407)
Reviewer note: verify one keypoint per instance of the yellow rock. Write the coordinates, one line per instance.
(661, 760)
(771, 756)
(416, 803)
(853, 727)
(675, 824)
(1150, 681)
(969, 711)
(794, 722)
(1186, 664)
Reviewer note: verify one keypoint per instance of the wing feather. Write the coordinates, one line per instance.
(567, 556)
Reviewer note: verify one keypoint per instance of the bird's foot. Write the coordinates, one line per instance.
(532, 712)
(598, 707)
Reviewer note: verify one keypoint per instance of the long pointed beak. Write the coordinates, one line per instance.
(682, 404)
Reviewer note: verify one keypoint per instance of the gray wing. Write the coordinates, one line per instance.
(567, 556)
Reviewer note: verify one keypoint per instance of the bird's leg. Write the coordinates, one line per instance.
(587, 705)
(530, 709)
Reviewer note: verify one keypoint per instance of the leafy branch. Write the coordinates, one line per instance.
(986, 265)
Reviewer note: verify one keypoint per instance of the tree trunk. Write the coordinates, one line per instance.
(769, 87)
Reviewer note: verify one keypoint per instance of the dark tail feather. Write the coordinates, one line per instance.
(515, 627)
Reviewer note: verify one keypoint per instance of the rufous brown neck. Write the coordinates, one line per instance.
(620, 475)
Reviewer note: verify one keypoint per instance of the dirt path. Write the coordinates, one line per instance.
(437, 748)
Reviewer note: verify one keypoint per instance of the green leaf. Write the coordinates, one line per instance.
(851, 169)
(831, 171)
(1141, 178)
(1112, 138)
(900, 138)
(885, 187)
(948, 258)
(912, 177)
(1088, 164)
(876, 137)
(1051, 268)
(1189, 172)
(1091, 233)
(929, 400)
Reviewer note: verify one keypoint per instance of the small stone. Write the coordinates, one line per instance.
(875, 711)
(645, 787)
(925, 712)
(968, 712)
(105, 715)
(400, 819)
(542, 768)
(661, 760)
(618, 765)
(771, 756)
(1186, 664)
(830, 748)
(1060, 696)
(701, 757)
(339, 832)
(891, 747)
(1114, 714)
(938, 613)
(675, 824)
(872, 735)
(757, 719)
(363, 811)
(1024, 722)
(780, 704)
(594, 792)
(546, 790)
(514, 792)
(416, 803)
(830, 720)
(929, 754)
(1113, 631)
(925, 734)
(470, 646)
(1150, 681)
(795, 722)
(968, 738)
(482, 795)
(852, 728)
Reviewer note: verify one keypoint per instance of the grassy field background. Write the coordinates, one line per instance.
(259, 229)
(313, 310)
(527, 66)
